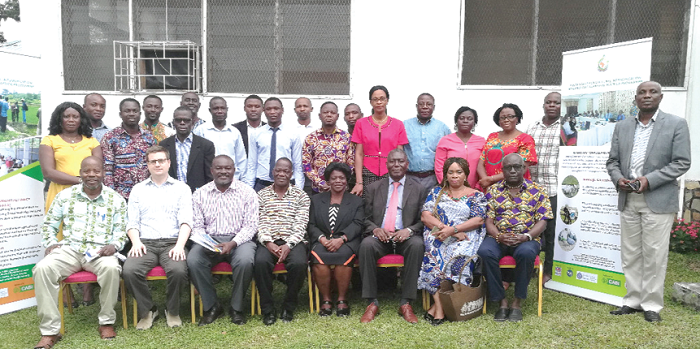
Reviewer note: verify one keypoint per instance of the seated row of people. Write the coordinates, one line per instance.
(336, 227)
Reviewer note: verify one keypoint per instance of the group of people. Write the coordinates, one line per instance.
(13, 109)
(267, 193)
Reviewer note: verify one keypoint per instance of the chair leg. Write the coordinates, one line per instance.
(136, 315)
(122, 289)
(252, 297)
(60, 307)
(311, 290)
(539, 288)
(192, 296)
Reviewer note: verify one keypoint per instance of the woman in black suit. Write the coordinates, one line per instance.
(335, 231)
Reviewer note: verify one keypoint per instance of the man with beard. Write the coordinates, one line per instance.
(226, 138)
(227, 210)
(152, 107)
(95, 106)
(94, 222)
(352, 114)
(191, 155)
(124, 150)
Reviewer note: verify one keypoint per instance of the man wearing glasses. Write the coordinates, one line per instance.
(160, 221)
(191, 155)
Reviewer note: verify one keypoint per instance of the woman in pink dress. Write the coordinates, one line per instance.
(463, 144)
(374, 137)
(500, 144)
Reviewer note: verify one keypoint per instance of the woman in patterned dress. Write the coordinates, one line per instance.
(335, 232)
(453, 215)
(500, 144)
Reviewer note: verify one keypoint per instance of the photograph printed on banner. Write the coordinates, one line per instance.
(590, 119)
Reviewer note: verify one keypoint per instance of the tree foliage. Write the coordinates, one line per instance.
(8, 10)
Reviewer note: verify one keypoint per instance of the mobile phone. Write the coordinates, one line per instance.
(634, 185)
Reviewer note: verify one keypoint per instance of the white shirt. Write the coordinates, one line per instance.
(157, 212)
(288, 145)
(228, 141)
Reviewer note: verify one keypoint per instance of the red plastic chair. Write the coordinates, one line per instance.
(85, 277)
(222, 268)
(279, 269)
(157, 273)
(508, 262)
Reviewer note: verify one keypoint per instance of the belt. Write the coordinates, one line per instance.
(423, 174)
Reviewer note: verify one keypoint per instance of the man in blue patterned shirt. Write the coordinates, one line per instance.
(94, 222)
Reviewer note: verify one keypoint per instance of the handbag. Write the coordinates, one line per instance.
(461, 302)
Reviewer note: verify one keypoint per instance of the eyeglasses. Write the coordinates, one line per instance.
(379, 99)
(508, 117)
(181, 121)
(157, 161)
(427, 104)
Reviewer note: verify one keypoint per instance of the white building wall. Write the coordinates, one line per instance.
(409, 46)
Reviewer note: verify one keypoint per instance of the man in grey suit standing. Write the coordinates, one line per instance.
(392, 210)
(647, 155)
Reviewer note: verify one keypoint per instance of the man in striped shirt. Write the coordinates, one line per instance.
(227, 210)
(284, 214)
(546, 135)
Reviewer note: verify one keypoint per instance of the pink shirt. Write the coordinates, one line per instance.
(378, 141)
(451, 146)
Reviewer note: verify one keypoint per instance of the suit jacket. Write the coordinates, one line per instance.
(199, 165)
(667, 158)
(411, 205)
(243, 128)
(348, 222)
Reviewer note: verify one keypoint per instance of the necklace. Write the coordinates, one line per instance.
(382, 121)
(71, 140)
(517, 186)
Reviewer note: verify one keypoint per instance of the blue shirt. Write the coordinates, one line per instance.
(288, 145)
(422, 142)
(101, 131)
(5, 107)
(182, 149)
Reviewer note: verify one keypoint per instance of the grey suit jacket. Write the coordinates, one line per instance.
(667, 158)
(411, 205)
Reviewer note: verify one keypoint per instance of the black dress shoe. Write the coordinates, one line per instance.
(515, 315)
(625, 310)
(501, 314)
(652, 316)
(211, 315)
(287, 316)
(428, 317)
(342, 311)
(269, 319)
(237, 317)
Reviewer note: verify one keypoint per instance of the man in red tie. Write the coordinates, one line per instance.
(393, 226)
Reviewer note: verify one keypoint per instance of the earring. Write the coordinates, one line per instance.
(473, 128)
(455, 127)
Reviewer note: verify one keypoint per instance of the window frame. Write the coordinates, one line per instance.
(460, 65)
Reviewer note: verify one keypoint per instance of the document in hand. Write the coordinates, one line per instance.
(206, 241)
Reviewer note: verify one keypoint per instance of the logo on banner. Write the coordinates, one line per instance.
(588, 277)
(603, 64)
(557, 271)
(569, 273)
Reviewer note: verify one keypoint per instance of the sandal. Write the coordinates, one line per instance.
(326, 311)
(47, 342)
(344, 311)
(106, 331)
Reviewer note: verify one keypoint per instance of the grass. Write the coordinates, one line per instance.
(567, 322)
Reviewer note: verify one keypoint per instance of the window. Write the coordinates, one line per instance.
(249, 46)
(519, 42)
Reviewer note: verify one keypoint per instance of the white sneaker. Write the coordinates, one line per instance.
(147, 322)
(172, 320)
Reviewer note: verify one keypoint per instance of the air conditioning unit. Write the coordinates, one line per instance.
(159, 66)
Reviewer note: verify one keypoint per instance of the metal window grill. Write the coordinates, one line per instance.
(519, 42)
(156, 65)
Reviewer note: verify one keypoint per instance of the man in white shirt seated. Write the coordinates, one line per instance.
(160, 221)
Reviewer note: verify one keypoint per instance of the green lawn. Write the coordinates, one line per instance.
(567, 322)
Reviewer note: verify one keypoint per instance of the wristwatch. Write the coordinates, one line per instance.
(529, 237)
(410, 231)
(456, 230)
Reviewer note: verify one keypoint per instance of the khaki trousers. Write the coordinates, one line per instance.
(58, 265)
(644, 238)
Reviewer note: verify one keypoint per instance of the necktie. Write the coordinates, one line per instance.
(390, 221)
(273, 151)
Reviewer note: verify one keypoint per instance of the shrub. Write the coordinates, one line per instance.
(684, 236)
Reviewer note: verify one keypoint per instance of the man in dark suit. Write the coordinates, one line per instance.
(190, 155)
(253, 107)
(392, 210)
(647, 155)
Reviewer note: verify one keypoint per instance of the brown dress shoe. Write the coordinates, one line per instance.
(370, 313)
(407, 312)
(47, 342)
(107, 332)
